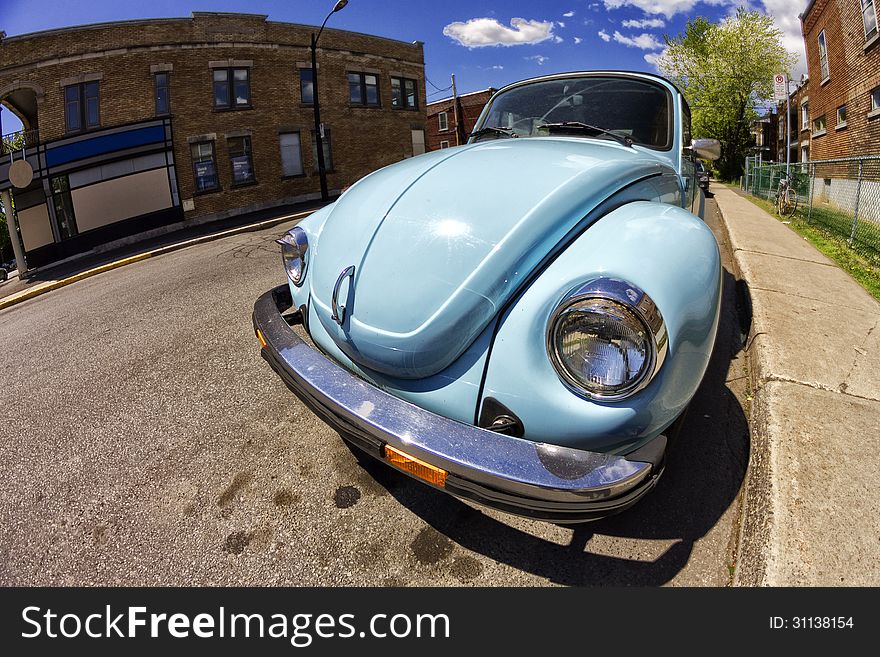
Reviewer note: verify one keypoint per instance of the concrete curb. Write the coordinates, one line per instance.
(49, 286)
(811, 513)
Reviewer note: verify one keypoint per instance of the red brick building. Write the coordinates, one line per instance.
(797, 124)
(138, 126)
(443, 130)
(843, 58)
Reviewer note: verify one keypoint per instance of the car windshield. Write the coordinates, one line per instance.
(627, 107)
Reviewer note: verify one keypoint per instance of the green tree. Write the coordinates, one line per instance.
(726, 73)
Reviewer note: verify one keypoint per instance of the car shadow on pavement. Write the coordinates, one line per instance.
(704, 475)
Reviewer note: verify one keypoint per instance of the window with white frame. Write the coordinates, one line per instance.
(875, 99)
(443, 120)
(841, 116)
(805, 116)
(819, 126)
(823, 56)
(869, 18)
(444, 144)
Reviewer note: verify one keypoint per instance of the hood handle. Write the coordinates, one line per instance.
(338, 314)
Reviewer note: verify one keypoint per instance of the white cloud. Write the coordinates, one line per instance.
(644, 41)
(668, 8)
(577, 40)
(560, 23)
(539, 59)
(604, 36)
(652, 57)
(480, 32)
(558, 39)
(785, 14)
(646, 23)
(568, 14)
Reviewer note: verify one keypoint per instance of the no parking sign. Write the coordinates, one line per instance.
(780, 86)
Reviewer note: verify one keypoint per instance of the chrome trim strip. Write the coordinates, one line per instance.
(512, 466)
(338, 312)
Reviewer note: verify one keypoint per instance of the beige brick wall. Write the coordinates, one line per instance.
(363, 139)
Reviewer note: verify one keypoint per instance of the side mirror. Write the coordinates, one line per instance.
(706, 149)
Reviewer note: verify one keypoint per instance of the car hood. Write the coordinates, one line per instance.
(440, 242)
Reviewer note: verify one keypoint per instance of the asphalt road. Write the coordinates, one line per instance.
(143, 441)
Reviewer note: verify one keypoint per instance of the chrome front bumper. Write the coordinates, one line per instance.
(538, 480)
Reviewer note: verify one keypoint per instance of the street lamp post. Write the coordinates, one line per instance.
(319, 139)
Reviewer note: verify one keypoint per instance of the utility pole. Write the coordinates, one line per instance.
(455, 112)
(787, 129)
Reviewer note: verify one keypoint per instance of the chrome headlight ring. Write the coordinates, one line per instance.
(294, 247)
(623, 331)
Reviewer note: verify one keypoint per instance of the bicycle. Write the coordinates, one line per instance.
(786, 198)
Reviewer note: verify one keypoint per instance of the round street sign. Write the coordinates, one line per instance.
(21, 173)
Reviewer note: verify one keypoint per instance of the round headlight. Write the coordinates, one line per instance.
(607, 340)
(294, 246)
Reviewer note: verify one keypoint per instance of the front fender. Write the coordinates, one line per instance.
(671, 255)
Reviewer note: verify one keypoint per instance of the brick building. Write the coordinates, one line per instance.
(442, 129)
(136, 125)
(843, 58)
(797, 123)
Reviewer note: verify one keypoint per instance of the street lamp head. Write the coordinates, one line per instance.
(340, 5)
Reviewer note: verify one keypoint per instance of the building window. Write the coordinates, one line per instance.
(819, 126)
(232, 88)
(841, 116)
(241, 160)
(403, 93)
(81, 111)
(443, 119)
(306, 88)
(163, 95)
(444, 144)
(869, 18)
(291, 154)
(328, 151)
(63, 207)
(875, 100)
(823, 56)
(363, 89)
(805, 116)
(204, 166)
(805, 153)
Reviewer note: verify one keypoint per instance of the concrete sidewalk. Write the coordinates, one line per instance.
(812, 511)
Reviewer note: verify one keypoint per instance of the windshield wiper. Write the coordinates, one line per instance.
(577, 126)
(493, 130)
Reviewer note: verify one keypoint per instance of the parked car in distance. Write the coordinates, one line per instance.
(519, 321)
(702, 175)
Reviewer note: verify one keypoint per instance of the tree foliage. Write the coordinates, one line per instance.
(726, 73)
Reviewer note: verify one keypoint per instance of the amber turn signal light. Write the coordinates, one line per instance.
(415, 467)
(261, 339)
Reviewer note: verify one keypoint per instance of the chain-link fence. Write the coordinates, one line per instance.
(841, 195)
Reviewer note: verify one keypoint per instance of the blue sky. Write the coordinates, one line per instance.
(484, 43)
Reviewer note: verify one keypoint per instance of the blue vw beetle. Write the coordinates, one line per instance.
(521, 320)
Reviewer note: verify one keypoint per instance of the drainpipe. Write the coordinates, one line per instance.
(11, 223)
